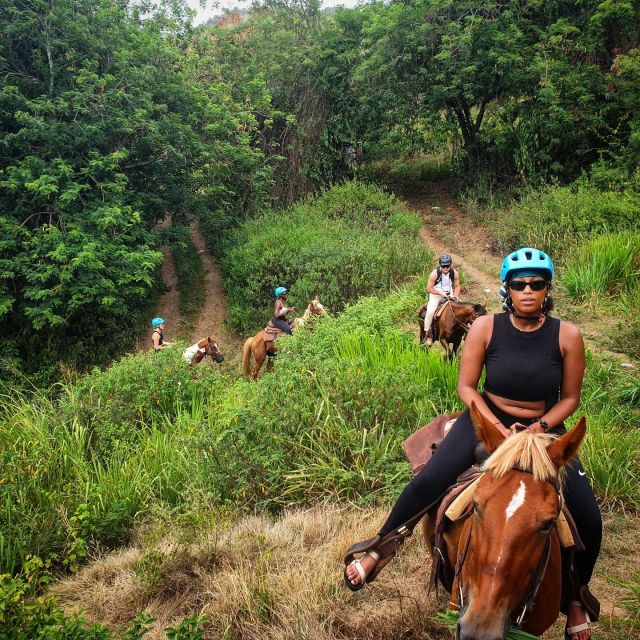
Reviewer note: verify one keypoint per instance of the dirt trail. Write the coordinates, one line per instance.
(212, 318)
(448, 229)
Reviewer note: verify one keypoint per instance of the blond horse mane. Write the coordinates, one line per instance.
(526, 451)
(314, 308)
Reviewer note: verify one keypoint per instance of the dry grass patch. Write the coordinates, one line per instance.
(282, 580)
(262, 579)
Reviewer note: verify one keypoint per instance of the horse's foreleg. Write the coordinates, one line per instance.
(445, 346)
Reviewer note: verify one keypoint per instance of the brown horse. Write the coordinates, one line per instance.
(256, 345)
(507, 554)
(451, 326)
(206, 347)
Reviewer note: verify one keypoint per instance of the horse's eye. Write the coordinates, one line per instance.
(476, 509)
(547, 526)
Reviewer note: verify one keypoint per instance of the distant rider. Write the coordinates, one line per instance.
(157, 337)
(281, 310)
(443, 283)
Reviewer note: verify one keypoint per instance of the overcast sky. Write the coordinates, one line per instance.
(213, 8)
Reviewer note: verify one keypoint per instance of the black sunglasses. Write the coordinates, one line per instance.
(445, 266)
(521, 285)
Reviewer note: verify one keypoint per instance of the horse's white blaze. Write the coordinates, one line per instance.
(517, 500)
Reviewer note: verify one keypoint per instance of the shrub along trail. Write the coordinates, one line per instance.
(169, 303)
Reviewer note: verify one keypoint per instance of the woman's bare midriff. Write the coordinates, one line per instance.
(518, 408)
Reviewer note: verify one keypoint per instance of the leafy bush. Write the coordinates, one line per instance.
(410, 171)
(349, 241)
(189, 271)
(134, 393)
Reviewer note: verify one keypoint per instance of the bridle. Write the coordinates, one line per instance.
(538, 575)
(213, 350)
(465, 325)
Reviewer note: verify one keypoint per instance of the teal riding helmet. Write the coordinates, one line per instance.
(527, 259)
(280, 290)
(156, 322)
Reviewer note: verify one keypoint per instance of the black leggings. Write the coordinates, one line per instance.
(281, 324)
(457, 453)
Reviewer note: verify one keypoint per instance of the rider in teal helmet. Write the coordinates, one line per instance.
(281, 310)
(526, 263)
(157, 337)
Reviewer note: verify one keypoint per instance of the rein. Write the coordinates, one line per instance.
(465, 325)
(538, 575)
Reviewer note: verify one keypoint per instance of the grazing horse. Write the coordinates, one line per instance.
(507, 553)
(256, 345)
(206, 347)
(451, 326)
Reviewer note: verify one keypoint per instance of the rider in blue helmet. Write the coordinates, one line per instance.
(533, 379)
(527, 263)
(443, 283)
(157, 337)
(281, 310)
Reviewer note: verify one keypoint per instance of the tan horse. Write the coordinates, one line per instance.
(507, 554)
(256, 345)
(206, 347)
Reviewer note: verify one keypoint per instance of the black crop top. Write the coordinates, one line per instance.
(524, 365)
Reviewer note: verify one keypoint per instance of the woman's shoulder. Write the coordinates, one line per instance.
(483, 324)
(569, 330)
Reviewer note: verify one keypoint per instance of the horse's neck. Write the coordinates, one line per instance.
(307, 313)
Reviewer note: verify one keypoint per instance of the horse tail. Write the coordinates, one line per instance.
(246, 357)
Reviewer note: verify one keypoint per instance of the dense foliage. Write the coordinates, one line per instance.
(104, 132)
(348, 241)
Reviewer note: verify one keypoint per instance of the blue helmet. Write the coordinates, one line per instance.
(156, 322)
(280, 290)
(526, 259)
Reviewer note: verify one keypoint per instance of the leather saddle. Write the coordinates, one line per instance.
(271, 332)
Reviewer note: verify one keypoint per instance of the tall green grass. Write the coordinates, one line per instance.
(328, 423)
(557, 218)
(604, 265)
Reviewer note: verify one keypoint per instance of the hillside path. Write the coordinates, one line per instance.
(447, 228)
(214, 314)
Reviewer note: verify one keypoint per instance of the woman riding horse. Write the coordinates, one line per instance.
(261, 345)
(534, 369)
(443, 282)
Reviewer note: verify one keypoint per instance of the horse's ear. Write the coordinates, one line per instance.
(564, 449)
(486, 432)
(209, 339)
